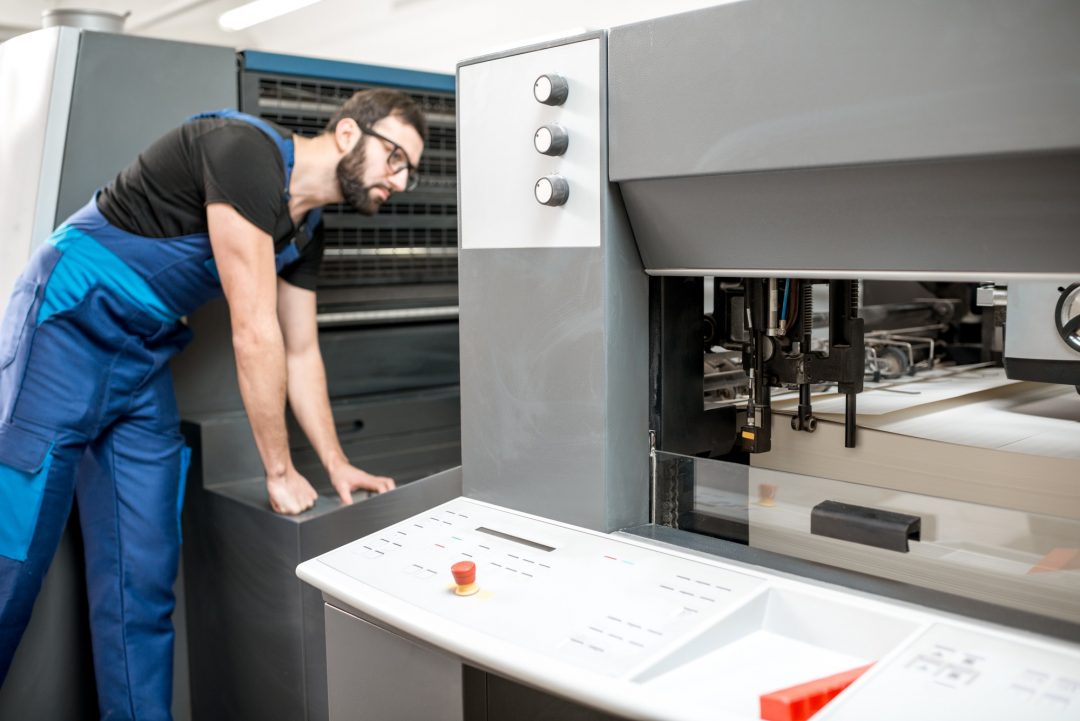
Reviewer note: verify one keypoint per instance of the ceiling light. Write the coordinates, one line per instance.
(259, 12)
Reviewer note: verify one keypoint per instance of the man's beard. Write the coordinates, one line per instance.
(350, 170)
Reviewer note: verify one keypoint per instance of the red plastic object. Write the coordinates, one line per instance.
(798, 703)
(464, 572)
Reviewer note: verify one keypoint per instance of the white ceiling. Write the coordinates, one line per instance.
(422, 34)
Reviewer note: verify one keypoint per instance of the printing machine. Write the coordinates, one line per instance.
(686, 487)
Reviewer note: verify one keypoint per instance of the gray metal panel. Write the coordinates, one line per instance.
(377, 675)
(534, 381)
(128, 91)
(774, 84)
(555, 372)
(255, 631)
(993, 217)
(856, 139)
(626, 323)
(375, 359)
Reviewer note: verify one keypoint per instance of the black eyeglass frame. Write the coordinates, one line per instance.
(413, 176)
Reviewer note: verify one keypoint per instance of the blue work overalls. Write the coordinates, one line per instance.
(87, 407)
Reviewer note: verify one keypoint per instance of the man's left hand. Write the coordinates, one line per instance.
(346, 479)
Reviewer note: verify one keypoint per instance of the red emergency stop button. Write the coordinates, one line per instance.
(465, 578)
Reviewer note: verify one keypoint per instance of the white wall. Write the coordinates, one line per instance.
(422, 34)
(436, 34)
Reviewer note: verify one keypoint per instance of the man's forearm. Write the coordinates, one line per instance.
(310, 403)
(260, 364)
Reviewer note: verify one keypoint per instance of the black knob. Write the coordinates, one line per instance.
(551, 139)
(552, 190)
(1067, 315)
(551, 89)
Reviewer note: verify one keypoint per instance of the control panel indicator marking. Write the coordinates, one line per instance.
(516, 539)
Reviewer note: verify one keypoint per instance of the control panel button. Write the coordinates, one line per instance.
(465, 577)
(551, 89)
(552, 190)
(551, 139)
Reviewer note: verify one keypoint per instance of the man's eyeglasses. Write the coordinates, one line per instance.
(398, 159)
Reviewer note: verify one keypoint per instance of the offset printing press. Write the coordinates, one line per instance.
(770, 336)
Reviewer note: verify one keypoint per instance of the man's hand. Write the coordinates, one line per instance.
(346, 479)
(290, 493)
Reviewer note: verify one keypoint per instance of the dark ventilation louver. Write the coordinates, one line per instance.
(413, 239)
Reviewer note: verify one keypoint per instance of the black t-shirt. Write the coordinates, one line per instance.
(164, 193)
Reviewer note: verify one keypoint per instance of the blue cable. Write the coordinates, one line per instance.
(787, 288)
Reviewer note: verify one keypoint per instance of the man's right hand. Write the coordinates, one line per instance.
(290, 493)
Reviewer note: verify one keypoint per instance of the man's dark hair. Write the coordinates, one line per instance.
(367, 107)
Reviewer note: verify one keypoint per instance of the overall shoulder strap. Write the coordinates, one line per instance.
(284, 145)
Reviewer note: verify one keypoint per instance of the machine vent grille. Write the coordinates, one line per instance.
(413, 239)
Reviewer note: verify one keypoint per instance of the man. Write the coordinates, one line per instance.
(224, 203)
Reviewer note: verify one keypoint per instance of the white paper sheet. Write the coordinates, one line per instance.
(980, 408)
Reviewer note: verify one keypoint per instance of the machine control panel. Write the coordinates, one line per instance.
(643, 630)
(578, 597)
(544, 132)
